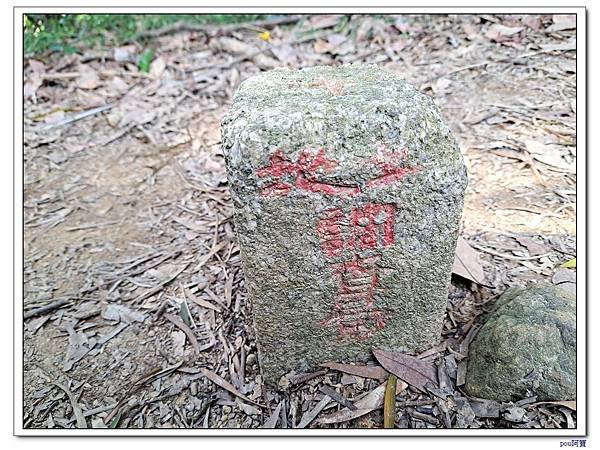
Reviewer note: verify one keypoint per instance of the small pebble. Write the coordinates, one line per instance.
(514, 414)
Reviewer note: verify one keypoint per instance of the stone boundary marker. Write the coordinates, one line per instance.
(348, 193)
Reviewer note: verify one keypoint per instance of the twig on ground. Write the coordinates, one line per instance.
(505, 256)
(252, 54)
(214, 30)
(226, 385)
(89, 226)
(118, 135)
(47, 308)
(138, 384)
(187, 330)
(81, 422)
(80, 116)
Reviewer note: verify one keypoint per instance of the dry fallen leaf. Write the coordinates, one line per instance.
(285, 53)
(373, 400)
(54, 117)
(247, 409)
(310, 415)
(466, 262)
(271, 422)
(404, 26)
(532, 246)
(157, 67)
(532, 21)
(414, 371)
(89, 99)
(336, 44)
(562, 22)
(322, 46)
(37, 66)
(124, 54)
(552, 155)
(324, 21)
(231, 45)
(226, 385)
(571, 404)
(471, 31)
(118, 84)
(31, 86)
(88, 78)
(502, 33)
(363, 30)
(485, 408)
(441, 85)
(375, 372)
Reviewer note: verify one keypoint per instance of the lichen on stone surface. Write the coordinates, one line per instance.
(354, 121)
(526, 347)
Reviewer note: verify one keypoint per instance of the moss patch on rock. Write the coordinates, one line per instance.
(526, 347)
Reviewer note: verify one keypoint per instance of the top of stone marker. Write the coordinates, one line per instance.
(323, 83)
(322, 89)
(348, 110)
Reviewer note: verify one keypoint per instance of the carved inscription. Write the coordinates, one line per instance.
(352, 243)
(351, 238)
(281, 175)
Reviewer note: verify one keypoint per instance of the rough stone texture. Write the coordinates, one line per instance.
(348, 193)
(526, 347)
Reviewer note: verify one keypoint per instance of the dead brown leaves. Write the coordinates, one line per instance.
(161, 136)
(373, 400)
(226, 385)
(374, 372)
(412, 370)
(467, 263)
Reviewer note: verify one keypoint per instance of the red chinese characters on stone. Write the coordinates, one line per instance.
(281, 175)
(389, 165)
(373, 226)
(350, 238)
(329, 230)
(370, 227)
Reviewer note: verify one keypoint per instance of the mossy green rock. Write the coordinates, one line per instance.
(348, 193)
(526, 347)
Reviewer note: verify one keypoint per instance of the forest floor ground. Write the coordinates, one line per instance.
(127, 215)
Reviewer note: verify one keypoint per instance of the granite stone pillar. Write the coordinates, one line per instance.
(348, 193)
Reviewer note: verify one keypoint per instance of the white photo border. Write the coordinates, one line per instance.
(581, 223)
